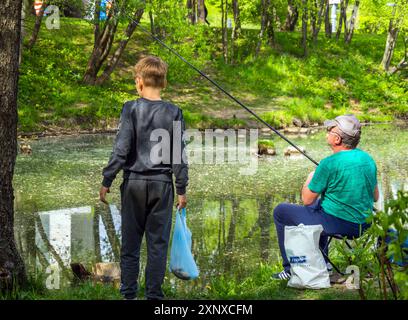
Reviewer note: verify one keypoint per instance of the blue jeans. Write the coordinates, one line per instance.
(286, 214)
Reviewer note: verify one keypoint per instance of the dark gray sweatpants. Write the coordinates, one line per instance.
(146, 209)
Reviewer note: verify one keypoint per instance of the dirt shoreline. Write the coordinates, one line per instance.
(292, 130)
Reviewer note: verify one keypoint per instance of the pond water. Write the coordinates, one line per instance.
(59, 219)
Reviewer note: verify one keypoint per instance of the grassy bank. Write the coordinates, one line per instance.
(259, 286)
(279, 84)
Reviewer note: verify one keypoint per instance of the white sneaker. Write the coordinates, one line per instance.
(283, 275)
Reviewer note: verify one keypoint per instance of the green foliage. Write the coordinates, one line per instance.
(266, 143)
(258, 286)
(198, 120)
(368, 250)
(69, 7)
(394, 217)
(50, 82)
(277, 119)
(34, 288)
(375, 15)
(334, 78)
(193, 42)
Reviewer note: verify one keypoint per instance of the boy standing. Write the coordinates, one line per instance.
(148, 162)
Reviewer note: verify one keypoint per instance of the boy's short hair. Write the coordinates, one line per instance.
(153, 71)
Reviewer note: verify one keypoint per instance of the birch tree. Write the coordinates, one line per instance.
(266, 24)
(398, 20)
(319, 10)
(348, 35)
(37, 26)
(304, 26)
(292, 16)
(342, 18)
(104, 35)
(236, 30)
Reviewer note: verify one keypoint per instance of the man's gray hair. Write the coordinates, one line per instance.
(349, 141)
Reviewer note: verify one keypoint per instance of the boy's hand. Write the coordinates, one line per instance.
(181, 201)
(102, 194)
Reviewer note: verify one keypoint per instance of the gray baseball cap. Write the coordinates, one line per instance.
(348, 124)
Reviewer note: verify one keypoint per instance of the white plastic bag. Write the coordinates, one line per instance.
(307, 266)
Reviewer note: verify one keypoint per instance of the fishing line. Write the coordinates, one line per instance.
(222, 89)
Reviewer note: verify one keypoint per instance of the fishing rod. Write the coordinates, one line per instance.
(223, 90)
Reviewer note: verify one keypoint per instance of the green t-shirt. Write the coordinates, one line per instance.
(346, 180)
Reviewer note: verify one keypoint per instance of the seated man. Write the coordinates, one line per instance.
(347, 183)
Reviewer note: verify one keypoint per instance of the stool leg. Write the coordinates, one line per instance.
(334, 266)
(326, 256)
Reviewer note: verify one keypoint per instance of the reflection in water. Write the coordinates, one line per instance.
(109, 233)
(65, 236)
(264, 222)
(92, 234)
(229, 235)
(229, 215)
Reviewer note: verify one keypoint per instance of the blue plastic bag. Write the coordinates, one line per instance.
(182, 263)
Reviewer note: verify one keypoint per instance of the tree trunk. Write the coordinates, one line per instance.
(107, 221)
(91, 69)
(304, 26)
(37, 26)
(327, 24)
(403, 64)
(201, 11)
(151, 23)
(119, 51)
(231, 235)
(97, 238)
(103, 41)
(390, 44)
(236, 31)
(102, 47)
(151, 19)
(292, 16)
(342, 19)
(270, 31)
(49, 247)
(25, 11)
(264, 23)
(224, 27)
(389, 48)
(25, 236)
(350, 29)
(319, 19)
(192, 10)
(221, 230)
(340, 23)
(264, 222)
(12, 269)
(23, 18)
(313, 16)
